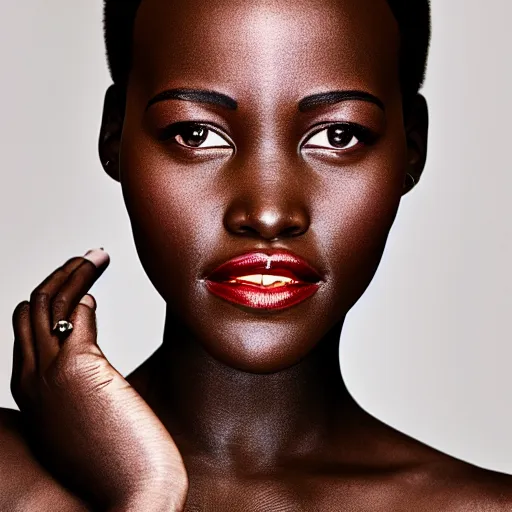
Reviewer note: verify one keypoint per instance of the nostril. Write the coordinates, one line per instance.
(246, 230)
(292, 231)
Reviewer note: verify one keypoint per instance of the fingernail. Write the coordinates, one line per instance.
(87, 300)
(98, 256)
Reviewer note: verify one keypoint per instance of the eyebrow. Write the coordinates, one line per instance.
(307, 103)
(328, 98)
(196, 95)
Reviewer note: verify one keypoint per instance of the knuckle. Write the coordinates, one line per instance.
(21, 310)
(60, 303)
(60, 272)
(77, 370)
(39, 298)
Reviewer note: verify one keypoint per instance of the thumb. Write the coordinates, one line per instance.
(83, 337)
(89, 300)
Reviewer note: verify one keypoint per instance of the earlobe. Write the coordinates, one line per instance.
(110, 132)
(416, 128)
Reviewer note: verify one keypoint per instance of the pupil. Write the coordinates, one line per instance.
(339, 136)
(194, 135)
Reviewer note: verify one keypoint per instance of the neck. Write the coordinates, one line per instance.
(230, 415)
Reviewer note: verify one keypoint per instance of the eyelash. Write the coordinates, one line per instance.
(363, 135)
(176, 129)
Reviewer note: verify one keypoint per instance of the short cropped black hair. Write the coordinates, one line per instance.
(413, 17)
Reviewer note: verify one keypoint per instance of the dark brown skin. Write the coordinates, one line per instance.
(254, 402)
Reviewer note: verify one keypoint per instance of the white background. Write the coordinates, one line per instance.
(427, 349)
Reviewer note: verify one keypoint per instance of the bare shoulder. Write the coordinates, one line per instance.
(459, 486)
(24, 483)
(494, 485)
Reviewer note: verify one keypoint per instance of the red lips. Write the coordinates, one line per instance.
(299, 282)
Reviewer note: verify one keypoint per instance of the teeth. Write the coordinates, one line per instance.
(263, 279)
(256, 279)
(267, 280)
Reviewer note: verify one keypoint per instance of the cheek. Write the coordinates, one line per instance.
(354, 217)
(172, 218)
(358, 216)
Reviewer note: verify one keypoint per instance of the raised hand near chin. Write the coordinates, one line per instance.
(85, 422)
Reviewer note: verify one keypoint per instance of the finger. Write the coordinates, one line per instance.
(16, 372)
(45, 345)
(19, 383)
(83, 337)
(24, 359)
(77, 284)
(89, 301)
(23, 339)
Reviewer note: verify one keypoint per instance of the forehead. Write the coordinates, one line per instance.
(266, 44)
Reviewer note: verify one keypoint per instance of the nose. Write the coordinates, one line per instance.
(268, 203)
(265, 220)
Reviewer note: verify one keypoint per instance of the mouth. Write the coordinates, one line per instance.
(264, 281)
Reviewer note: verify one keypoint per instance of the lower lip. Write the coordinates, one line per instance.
(257, 297)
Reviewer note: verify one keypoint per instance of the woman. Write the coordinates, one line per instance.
(262, 149)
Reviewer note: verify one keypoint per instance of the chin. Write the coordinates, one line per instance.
(261, 344)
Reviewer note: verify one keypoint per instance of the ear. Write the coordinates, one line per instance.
(416, 130)
(110, 132)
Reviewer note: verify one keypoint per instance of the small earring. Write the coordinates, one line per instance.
(412, 182)
(107, 163)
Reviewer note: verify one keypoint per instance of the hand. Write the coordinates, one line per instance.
(85, 422)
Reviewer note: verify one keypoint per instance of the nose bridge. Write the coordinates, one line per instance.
(267, 158)
(270, 169)
(268, 198)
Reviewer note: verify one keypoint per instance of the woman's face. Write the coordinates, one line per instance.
(321, 179)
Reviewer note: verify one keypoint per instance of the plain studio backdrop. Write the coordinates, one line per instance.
(427, 349)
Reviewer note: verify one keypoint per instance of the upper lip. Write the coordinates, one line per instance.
(276, 262)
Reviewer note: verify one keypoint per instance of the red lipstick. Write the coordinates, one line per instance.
(264, 281)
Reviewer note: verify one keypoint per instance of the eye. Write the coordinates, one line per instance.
(194, 135)
(341, 136)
